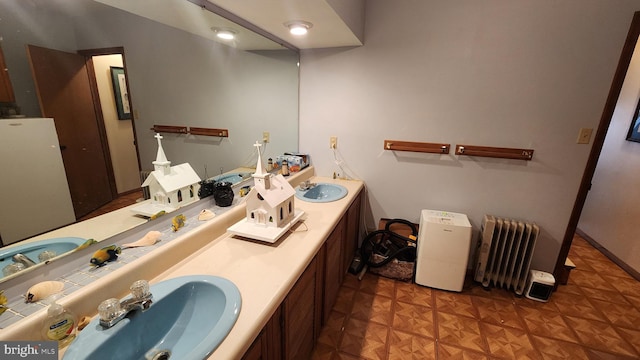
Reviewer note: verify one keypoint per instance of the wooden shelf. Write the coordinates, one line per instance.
(169, 129)
(434, 148)
(209, 132)
(190, 130)
(494, 152)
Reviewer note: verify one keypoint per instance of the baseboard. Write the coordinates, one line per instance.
(616, 260)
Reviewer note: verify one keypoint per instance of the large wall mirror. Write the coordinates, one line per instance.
(177, 75)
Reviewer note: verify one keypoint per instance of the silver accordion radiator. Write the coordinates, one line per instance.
(504, 253)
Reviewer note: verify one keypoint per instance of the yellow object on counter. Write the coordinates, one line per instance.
(108, 253)
(177, 222)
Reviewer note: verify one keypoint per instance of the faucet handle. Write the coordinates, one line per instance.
(109, 309)
(140, 289)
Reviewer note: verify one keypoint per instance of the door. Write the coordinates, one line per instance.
(64, 92)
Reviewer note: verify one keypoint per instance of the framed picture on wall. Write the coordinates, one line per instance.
(120, 93)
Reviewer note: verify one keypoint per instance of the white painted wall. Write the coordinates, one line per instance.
(524, 74)
(611, 212)
(119, 132)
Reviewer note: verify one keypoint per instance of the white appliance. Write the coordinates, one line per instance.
(444, 241)
(540, 285)
(33, 185)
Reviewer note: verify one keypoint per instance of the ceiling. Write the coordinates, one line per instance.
(328, 30)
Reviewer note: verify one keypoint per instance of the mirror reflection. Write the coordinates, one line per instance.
(176, 75)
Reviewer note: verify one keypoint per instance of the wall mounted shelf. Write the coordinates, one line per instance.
(170, 129)
(495, 152)
(434, 148)
(209, 132)
(190, 130)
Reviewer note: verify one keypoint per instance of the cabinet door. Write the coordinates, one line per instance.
(268, 345)
(352, 232)
(333, 268)
(299, 316)
(6, 90)
(255, 351)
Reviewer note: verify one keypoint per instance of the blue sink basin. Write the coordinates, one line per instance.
(189, 317)
(322, 192)
(35, 248)
(233, 178)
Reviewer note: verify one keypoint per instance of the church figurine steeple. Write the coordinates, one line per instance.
(161, 164)
(261, 176)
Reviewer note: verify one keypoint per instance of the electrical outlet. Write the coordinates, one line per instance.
(333, 142)
(584, 136)
(265, 137)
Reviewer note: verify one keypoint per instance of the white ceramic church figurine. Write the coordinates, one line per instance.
(170, 187)
(270, 206)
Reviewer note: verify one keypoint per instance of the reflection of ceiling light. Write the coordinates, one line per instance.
(225, 34)
(298, 27)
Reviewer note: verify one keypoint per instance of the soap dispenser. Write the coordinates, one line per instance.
(60, 325)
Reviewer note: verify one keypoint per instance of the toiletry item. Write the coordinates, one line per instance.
(285, 168)
(269, 164)
(60, 325)
(42, 290)
(108, 253)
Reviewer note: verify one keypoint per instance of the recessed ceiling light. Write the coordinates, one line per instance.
(298, 27)
(225, 34)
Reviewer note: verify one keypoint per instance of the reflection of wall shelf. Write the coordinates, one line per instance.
(209, 132)
(495, 152)
(434, 148)
(170, 129)
(190, 130)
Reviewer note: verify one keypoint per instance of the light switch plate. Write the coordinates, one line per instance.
(584, 136)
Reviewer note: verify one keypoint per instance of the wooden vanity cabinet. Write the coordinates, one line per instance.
(352, 232)
(292, 331)
(333, 267)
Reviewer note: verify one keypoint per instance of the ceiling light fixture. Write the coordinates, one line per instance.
(298, 27)
(225, 34)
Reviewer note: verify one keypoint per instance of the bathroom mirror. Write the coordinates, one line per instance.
(177, 74)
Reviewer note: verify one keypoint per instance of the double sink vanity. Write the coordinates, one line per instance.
(287, 288)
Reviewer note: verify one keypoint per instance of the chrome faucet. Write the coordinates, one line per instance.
(23, 259)
(306, 185)
(111, 311)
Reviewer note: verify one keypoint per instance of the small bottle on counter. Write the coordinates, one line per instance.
(269, 164)
(285, 168)
(60, 325)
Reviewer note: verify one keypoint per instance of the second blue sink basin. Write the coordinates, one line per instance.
(322, 192)
(189, 317)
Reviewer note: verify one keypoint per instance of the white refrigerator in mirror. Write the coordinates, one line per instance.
(444, 242)
(34, 193)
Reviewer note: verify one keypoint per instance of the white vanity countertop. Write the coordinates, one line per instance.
(264, 272)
